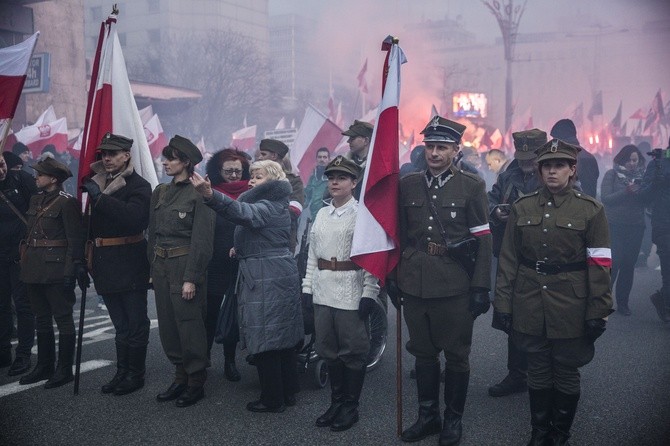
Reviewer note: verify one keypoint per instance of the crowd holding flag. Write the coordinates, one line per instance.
(112, 108)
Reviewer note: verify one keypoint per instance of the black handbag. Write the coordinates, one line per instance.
(227, 328)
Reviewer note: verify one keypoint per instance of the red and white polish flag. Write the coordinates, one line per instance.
(42, 133)
(244, 139)
(376, 242)
(112, 108)
(14, 62)
(315, 131)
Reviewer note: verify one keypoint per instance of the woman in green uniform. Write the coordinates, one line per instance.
(181, 235)
(553, 288)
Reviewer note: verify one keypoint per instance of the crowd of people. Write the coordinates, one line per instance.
(218, 250)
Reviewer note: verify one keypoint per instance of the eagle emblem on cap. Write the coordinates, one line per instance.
(554, 146)
(435, 122)
(338, 161)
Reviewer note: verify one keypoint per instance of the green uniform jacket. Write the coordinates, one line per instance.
(179, 217)
(462, 206)
(564, 228)
(61, 221)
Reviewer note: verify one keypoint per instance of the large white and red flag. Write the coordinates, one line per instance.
(112, 108)
(376, 243)
(315, 131)
(156, 138)
(244, 139)
(14, 62)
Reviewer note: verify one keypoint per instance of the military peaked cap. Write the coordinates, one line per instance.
(185, 146)
(557, 149)
(115, 142)
(342, 164)
(359, 128)
(527, 142)
(274, 145)
(440, 129)
(51, 167)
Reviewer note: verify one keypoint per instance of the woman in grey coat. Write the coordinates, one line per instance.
(270, 317)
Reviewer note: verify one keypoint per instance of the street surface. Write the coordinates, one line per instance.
(625, 395)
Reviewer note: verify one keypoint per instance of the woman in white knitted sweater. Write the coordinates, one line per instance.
(343, 295)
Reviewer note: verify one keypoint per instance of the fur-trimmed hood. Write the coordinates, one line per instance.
(272, 190)
(117, 183)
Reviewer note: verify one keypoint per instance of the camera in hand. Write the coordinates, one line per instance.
(658, 153)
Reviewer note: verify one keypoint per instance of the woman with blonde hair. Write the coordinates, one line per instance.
(270, 317)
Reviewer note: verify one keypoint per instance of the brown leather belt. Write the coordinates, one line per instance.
(435, 249)
(337, 265)
(116, 241)
(168, 253)
(43, 243)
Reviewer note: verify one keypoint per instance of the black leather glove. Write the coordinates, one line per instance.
(69, 283)
(502, 321)
(365, 307)
(479, 301)
(82, 276)
(307, 299)
(394, 293)
(92, 188)
(594, 328)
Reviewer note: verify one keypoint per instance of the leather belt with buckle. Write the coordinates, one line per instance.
(116, 241)
(435, 249)
(168, 253)
(337, 265)
(43, 243)
(544, 268)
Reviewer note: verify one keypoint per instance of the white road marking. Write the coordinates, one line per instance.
(15, 387)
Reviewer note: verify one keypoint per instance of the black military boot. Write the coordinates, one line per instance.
(121, 368)
(336, 376)
(455, 392)
(46, 355)
(564, 409)
(428, 390)
(20, 365)
(134, 379)
(177, 387)
(195, 390)
(63, 374)
(348, 414)
(540, 415)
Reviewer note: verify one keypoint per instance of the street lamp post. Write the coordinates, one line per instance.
(508, 17)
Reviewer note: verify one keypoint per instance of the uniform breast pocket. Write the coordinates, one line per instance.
(571, 224)
(51, 223)
(182, 215)
(412, 208)
(453, 210)
(529, 226)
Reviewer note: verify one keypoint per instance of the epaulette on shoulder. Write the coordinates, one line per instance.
(586, 197)
(523, 197)
(65, 194)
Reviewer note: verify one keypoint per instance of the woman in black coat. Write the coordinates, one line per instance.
(619, 193)
(228, 170)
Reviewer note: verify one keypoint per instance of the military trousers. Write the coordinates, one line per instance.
(554, 363)
(439, 325)
(341, 334)
(128, 311)
(278, 375)
(51, 301)
(181, 323)
(11, 288)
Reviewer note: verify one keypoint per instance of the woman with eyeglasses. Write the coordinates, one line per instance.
(228, 171)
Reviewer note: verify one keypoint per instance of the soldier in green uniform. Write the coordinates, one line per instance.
(51, 263)
(180, 245)
(442, 295)
(553, 288)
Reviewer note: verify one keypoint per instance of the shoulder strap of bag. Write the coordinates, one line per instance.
(42, 212)
(13, 208)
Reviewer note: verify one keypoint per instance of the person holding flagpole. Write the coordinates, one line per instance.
(343, 294)
(444, 276)
(119, 214)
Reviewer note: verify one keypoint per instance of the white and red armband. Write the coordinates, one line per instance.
(599, 257)
(478, 231)
(295, 207)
